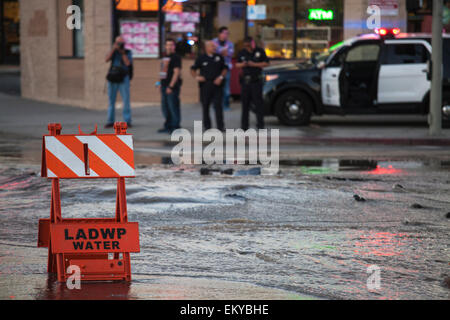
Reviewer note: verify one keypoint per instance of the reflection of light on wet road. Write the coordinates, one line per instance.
(390, 170)
(384, 244)
(16, 184)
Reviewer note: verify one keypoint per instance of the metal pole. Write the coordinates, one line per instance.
(161, 26)
(294, 48)
(435, 117)
(200, 31)
(115, 21)
(246, 19)
(2, 35)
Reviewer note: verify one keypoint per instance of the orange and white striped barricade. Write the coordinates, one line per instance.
(100, 247)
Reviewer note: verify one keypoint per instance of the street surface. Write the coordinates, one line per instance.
(300, 234)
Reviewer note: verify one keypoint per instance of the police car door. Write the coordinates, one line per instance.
(330, 84)
(403, 72)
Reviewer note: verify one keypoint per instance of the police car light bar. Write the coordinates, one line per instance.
(396, 31)
(385, 32)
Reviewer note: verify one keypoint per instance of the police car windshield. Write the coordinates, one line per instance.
(332, 53)
(315, 60)
(324, 57)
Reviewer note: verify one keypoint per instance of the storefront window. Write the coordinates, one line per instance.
(138, 21)
(270, 23)
(183, 27)
(319, 26)
(9, 34)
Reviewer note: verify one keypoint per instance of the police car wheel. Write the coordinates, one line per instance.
(294, 108)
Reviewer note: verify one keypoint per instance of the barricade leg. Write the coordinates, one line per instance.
(51, 264)
(122, 217)
(57, 260)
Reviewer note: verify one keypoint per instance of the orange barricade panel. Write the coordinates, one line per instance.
(101, 247)
(83, 156)
(95, 238)
(99, 266)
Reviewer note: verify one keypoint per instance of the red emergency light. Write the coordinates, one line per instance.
(387, 32)
(381, 31)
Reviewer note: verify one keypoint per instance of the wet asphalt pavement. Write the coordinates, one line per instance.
(297, 235)
(309, 232)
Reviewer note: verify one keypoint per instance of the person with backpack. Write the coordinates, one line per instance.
(119, 77)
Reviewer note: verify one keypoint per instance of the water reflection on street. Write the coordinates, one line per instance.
(294, 235)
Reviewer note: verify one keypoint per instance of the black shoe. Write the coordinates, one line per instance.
(163, 130)
(109, 125)
(129, 125)
(173, 130)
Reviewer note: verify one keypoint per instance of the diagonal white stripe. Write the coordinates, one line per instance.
(50, 174)
(66, 156)
(128, 140)
(102, 151)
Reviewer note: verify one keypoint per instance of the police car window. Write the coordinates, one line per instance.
(405, 53)
(337, 59)
(363, 53)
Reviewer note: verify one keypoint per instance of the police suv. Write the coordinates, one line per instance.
(387, 72)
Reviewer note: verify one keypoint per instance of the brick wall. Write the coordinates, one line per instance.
(39, 61)
(98, 33)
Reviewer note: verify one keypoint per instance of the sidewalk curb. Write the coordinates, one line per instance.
(442, 142)
(371, 141)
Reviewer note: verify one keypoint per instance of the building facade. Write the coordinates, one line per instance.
(68, 66)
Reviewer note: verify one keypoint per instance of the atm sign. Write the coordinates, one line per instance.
(320, 14)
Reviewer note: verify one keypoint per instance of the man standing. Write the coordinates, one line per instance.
(170, 76)
(226, 49)
(210, 70)
(119, 77)
(252, 59)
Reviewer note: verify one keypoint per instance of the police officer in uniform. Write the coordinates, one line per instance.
(210, 70)
(252, 60)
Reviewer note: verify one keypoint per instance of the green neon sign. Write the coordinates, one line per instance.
(321, 14)
(337, 45)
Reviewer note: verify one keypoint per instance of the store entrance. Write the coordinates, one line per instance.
(9, 32)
